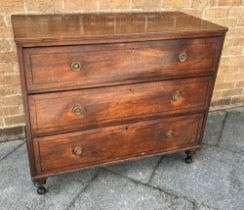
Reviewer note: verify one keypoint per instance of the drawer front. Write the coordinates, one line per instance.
(94, 147)
(53, 68)
(72, 110)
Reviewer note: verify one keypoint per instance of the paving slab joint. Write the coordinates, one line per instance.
(12, 151)
(222, 129)
(150, 186)
(155, 168)
(83, 190)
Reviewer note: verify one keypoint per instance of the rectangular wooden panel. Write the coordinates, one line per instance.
(49, 68)
(56, 153)
(57, 112)
(43, 29)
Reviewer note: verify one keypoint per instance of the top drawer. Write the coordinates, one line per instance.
(69, 67)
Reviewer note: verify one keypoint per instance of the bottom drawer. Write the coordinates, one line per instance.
(93, 147)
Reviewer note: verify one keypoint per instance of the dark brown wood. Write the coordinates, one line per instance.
(132, 94)
(49, 68)
(28, 132)
(113, 143)
(49, 28)
(53, 112)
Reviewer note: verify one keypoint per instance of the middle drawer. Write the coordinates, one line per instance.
(91, 108)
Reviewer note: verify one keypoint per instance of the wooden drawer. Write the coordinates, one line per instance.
(83, 109)
(49, 68)
(58, 153)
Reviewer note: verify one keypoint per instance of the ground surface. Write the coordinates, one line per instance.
(214, 181)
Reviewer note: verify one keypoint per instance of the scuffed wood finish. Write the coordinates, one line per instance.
(130, 73)
(118, 142)
(75, 27)
(52, 112)
(49, 68)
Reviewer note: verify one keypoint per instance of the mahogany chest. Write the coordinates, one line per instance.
(103, 88)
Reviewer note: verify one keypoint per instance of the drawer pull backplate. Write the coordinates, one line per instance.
(169, 134)
(176, 96)
(78, 151)
(75, 66)
(183, 57)
(77, 110)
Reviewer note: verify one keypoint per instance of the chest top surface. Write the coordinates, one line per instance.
(108, 25)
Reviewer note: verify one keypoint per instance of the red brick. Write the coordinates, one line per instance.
(237, 99)
(229, 2)
(233, 92)
(240, 84)
(8, 32)
(238, 42)
(5, 45)
(10, 121)
(80, 5)
(11, 100)
(146, 4)
(9, 79)
(232, 51)
(13, 133)
(237, 11)
(43, 5)
(236, 32)
(119, 5)
(240, 22)
(8, 57)
(224, 86)
(192, 12)
(11, 6)
(227, 69)
(228, 22)
(201, 4)
(1, 21)
(216, 12)
(1, 123)
(10, 90)
(11, 110)
(176, 4)
(221, 102)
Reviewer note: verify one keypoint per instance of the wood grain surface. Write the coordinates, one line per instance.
(53, 112)
(49, 68)
(114, 143)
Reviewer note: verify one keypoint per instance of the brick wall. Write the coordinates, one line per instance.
(230, 82)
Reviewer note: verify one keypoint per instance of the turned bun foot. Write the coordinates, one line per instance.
(188, 158)
(41, 190)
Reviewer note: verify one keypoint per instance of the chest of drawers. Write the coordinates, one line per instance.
(103, 88)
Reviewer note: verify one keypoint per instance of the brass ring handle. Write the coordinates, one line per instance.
(78, 151)
(75, 66)
(169, 134)
(77, 110)
(176, 96)
(183, 57)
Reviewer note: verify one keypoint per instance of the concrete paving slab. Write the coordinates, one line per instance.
(237, 110)
(140, 170)
(214, 178)
(232, 137)
(110, 192)
(8, 147)
(213, 128)
(202, 207)
(18, 192)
